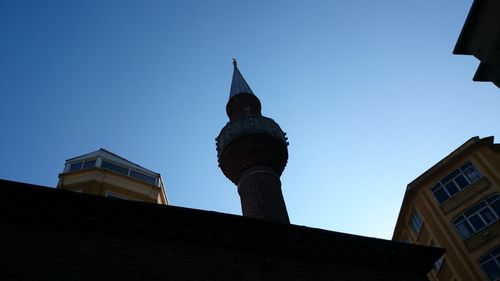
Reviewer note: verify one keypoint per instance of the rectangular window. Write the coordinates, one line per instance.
(75, 166)
(142, 177)
(115, 168)
(439, 263)
(118, 196)
(490, 263)
(89, 164)
(415, 222)
(455, 182)
(81, 165)
(478, 217)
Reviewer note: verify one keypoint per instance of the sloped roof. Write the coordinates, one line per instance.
(411, 188)
(111, 156)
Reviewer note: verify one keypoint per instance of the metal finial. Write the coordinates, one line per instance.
(235, 63)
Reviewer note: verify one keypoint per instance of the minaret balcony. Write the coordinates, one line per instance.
(248, 126)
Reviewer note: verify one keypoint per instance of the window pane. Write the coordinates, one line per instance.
(496, 253)
(491, 269)
(143, 177)
(416, 222)
(451, 188)
(476, 221)
(75, 166)
(488, 215)
(496, 207)
(459, 219)
(471, 173)
(485, 258)
(88, 164)
(450, 176)
(439, 263)
(440, 194)
(461, 181)
(464, 229)
(492, 198)
(113, 167)
(475, 209)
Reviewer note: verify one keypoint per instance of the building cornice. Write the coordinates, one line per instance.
(412, 187)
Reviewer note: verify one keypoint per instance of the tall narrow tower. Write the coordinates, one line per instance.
(252, 153)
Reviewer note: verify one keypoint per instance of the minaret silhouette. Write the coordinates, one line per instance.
(252, 153)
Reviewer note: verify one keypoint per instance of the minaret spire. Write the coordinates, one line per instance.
(238, 84)
(252, 153)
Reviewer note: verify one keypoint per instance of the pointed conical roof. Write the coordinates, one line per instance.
(238, 85)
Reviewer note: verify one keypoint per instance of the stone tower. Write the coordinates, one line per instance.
(252, 153)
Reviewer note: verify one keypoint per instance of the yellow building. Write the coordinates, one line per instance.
(456, 205)
(104, 173)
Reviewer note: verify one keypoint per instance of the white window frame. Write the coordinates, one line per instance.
(467, 219)
(489, 257)
(442, 185)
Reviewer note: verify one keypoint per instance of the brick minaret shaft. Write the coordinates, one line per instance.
(252, 153)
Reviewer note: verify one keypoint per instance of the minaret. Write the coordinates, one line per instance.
(252, 153)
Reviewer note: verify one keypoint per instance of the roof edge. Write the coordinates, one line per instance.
(469, 144)
(460, 48)
(472, 142)
(115, 155)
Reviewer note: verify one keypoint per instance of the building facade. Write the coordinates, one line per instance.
(480, 38)
(456, 205)
(104, 173)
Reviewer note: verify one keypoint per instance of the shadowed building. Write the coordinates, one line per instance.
(107, 174)
(456, 205)
(480, 37)
(56, 234)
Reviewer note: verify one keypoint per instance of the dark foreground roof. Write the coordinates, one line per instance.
(51, 234)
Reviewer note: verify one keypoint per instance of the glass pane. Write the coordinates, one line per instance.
(496, 252)
(143, 177)
(492, 198)
(451, 188)
(459, 219)
(496, 207)
(416, 223)
(440, 194)
(75, 166)
(461, 181)
(491, 269)
(450, 176)
(115, 196)
(89, 164)
(439, 263)
(471, 173)
(464, 230)
(485, 258)
(477, 222)
(488, 215)
(113, 167)
(475, 209)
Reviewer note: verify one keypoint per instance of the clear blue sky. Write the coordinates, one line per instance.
(368, 92)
